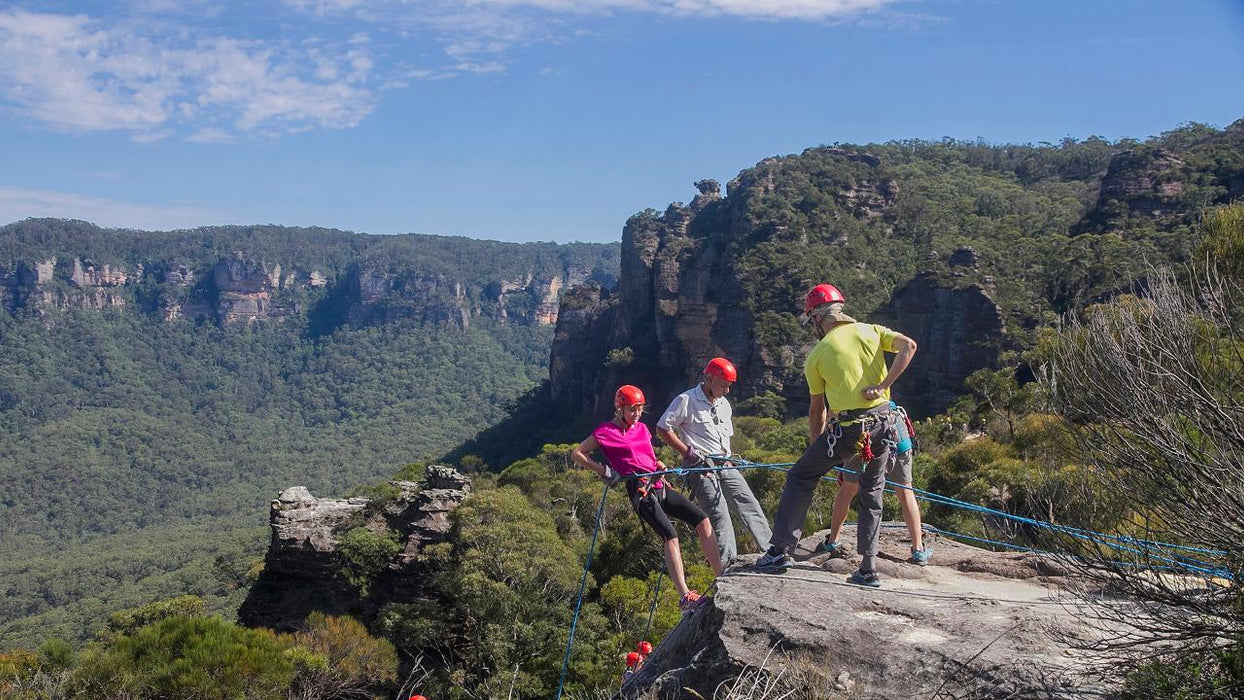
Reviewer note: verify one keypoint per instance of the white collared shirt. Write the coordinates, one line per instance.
(691, 415)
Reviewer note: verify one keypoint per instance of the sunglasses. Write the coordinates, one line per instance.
(713, 410)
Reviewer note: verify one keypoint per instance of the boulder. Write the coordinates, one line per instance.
(973, 623)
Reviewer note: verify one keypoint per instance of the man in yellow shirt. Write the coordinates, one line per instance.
(846, 374)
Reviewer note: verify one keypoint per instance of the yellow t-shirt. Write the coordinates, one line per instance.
(849, 358)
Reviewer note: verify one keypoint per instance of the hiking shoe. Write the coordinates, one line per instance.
(691, 601)
(834, 549)
(920, 557)
(774, 560)
(865, 578)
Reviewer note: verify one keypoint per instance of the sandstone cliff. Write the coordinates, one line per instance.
(959, 330)
(303, 567)
(346, 278)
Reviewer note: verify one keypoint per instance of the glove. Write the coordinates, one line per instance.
(611, 476)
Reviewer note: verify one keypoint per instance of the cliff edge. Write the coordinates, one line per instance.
(973, 623)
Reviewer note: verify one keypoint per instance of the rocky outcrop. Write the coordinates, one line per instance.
(241, 289)
(1143, 182)
(974, 623)
(386, 296)
(959, 329)
(302, 569)
(83, 285)
(670, 314)
(420, 516)
(244, 290)
(19, 283)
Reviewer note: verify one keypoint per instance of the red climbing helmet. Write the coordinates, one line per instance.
(628, 395)
(632, 659)
(822, 294)
(417, 697)
(818, 295)
(645, 648)
(723, 368)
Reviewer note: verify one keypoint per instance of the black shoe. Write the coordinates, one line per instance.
(865, 578)
(775, 560)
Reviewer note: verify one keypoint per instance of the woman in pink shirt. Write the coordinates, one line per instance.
(627, 447)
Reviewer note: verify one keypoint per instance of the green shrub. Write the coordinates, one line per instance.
(1188, 675)
(335, 657)
(205, 658)
(128, 621)
(365, 554)
(1222, 239)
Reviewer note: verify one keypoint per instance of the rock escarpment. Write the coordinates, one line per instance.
(1142, 182)
(303, 567)
(270, 274)
(972, 624)
(958, 329)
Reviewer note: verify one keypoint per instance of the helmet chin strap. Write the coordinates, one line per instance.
(622, 416)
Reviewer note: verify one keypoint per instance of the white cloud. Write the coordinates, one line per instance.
(775, 9)
(17, 204)
(79, 74)
(809, 10)
(469, 30)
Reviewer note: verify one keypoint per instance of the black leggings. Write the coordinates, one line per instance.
(659, 505)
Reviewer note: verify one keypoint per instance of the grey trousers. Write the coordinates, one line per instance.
(802, 479)
(722, 492)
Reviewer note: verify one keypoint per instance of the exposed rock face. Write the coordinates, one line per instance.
(19, 283)
(670, 314)
(272, 272)
(241, 289)
(972, 624)
(301, 569)
(583, 323)
(421, 517)
(387, 296)
(244, 289)
(958, 331)
(964, 257)
(1142, 182)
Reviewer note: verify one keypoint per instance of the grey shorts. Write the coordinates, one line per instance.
(900, 473)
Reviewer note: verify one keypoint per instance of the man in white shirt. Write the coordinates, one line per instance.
(697, 425)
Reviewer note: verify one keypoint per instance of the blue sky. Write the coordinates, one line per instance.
(550, 119)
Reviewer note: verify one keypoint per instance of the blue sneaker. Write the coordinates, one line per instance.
(834, 549)
(774, 560)
(920, 557)
(865, 578)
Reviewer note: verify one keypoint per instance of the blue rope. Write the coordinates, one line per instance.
(653, 608)
(1088, 535)
(574, 622)
(985, 540)
(1009, 545)
(1116, 542)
